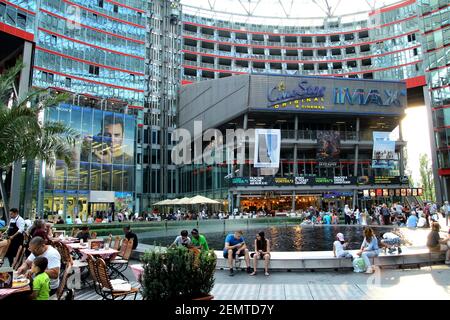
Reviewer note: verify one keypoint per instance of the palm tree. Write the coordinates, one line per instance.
(23, 136)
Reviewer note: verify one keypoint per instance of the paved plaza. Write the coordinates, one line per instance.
(426, 283)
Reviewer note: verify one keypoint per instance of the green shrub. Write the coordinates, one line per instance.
(177, 274)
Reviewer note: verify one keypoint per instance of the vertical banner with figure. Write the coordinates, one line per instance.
(329, 147)
(383, 150)
(267, 148)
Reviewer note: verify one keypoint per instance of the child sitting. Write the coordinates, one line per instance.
(338, 247)
(41, 281)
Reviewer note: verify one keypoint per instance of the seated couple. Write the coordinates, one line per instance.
(236, 247)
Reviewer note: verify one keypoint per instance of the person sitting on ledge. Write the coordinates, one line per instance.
(235, 247)
(436, 244)
(369, 248)
(182, 240)
(262, 251)
(339, 247)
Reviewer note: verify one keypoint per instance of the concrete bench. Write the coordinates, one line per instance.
(312, 260)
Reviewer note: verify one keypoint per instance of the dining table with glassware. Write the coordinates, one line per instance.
(20, 288)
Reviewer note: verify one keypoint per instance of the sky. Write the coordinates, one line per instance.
(416, 133)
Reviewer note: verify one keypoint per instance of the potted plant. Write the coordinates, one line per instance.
(177, 274)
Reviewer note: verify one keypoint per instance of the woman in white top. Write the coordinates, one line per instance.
(339, 247)
(422, 221)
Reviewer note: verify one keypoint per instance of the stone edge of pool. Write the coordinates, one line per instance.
(311, 260)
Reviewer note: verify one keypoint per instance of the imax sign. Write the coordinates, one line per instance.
(361, 97)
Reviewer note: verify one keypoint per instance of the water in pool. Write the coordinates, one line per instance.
(294, 238)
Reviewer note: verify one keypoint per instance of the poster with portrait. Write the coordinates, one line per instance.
(329, 147)
(267, 148)
(383, 150)
(103, 155)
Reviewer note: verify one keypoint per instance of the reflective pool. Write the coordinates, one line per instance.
(298, 238)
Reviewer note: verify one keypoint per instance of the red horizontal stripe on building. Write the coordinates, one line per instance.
(438, 68)
(440, 87)
(419, 81)
(392, 7)
(87, 80)
(435, 10)
(300, 61)
(89, 44)
(438, 48)
(445, 106)
(92, 28)
(136, 107)
(18, 7)
(104, 15)
(323, 75)
(374, 70)
(184, 82)
(125, 6)
(16, 32)
(444, 172)
(213, 70)
(299, 48)
(87, 61)
(437, 29)
(298, 34)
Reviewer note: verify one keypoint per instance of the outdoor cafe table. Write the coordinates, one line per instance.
(76, 246)
(5, 293)
(137, 269)
(103, 253)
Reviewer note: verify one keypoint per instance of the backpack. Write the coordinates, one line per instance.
(359, 265)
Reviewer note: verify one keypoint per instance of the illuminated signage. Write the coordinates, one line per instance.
(279, 96)
(361, 97)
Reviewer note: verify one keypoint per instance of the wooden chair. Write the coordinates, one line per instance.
(91, 266)
(120, 263)
(3, 252)
(111, 289)
(117, 240)
(63, 292)
(75, 232)
(18, 259)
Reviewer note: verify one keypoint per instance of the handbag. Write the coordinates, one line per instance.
(359, 265)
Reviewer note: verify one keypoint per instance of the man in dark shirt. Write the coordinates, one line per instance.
(131, 235)
(84, 234)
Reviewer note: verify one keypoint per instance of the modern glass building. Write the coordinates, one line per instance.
(131, 57)
(344, 114)
(435, 27)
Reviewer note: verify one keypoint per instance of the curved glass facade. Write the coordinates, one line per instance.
(381, 45)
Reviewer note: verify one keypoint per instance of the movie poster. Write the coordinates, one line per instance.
(383, 150)
(267, 148)
(329, 148)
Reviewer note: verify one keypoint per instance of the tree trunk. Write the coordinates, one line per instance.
(4, 196)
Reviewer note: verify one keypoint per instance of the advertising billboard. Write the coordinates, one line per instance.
(329, 147)
(267, 148)
(383, 150)
(103, 156)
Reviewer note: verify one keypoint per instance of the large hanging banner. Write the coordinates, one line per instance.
(383, 150)
(329, 148)
(267, 148)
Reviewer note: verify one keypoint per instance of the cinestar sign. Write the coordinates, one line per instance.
(360, 96)
(303, 90)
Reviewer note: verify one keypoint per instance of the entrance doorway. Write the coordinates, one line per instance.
(99, 209)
